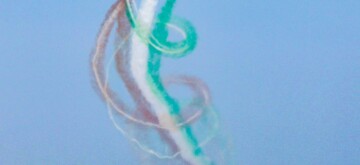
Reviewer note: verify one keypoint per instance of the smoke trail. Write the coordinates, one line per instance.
(143, 41)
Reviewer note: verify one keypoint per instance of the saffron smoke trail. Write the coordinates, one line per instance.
(143, 41)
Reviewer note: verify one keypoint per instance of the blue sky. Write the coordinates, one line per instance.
(284, 77)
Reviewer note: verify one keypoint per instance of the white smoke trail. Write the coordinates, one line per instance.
(139, 67)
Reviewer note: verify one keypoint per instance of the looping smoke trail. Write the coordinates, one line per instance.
(142, 42)
(157, 40)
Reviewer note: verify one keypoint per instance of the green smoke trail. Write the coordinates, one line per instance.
(161, 33)
(160, 46)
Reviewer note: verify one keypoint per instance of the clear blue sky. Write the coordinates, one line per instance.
(285, 78)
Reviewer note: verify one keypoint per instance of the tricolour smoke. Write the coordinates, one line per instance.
(143, 41)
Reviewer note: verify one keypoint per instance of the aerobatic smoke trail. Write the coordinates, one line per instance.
(142, 42)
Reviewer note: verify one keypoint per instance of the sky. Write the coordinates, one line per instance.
(284, 77)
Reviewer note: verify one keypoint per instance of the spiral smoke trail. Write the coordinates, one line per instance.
(143, 41)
